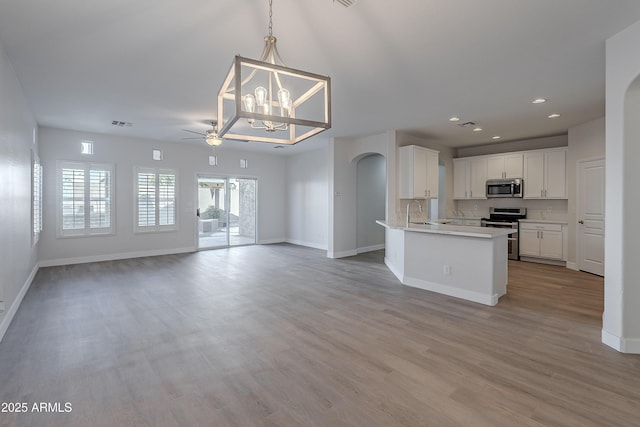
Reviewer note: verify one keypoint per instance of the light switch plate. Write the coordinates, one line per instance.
(2, 307)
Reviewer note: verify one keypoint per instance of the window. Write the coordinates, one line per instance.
(85, 199)
(86, 147)
(155, 200)
(36, 199)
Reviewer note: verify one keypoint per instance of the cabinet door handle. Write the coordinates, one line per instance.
(581, 222)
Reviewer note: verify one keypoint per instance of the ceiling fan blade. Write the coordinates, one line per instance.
(197, 137)
(192, 131)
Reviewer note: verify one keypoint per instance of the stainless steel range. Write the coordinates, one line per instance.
(507, 218)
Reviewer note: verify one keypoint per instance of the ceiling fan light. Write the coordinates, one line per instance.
(213, 140)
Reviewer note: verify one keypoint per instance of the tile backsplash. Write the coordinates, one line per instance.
(536, 209)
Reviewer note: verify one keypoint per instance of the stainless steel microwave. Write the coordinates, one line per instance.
(505, 188)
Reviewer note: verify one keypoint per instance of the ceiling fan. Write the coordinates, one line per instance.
(210, 136)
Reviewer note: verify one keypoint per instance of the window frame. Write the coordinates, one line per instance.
(36, 198)
(156, 227)
(87, 230)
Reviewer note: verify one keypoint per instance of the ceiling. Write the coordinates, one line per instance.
(406, 65)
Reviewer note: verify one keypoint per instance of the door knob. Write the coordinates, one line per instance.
(581, 222)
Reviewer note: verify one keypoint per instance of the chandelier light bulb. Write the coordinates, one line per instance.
(261, 96)
(249, 103)
(284, 98)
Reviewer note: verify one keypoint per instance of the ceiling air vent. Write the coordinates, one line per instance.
(346, 3)
(121, 124)
(466, 124)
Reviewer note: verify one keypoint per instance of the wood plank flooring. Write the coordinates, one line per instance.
(279, 335)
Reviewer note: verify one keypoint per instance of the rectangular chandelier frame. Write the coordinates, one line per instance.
(231, 90)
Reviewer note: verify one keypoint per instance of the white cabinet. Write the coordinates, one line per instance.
(542, 240)
(503, 166)
(545, 174)
(418, 172)
(469, 178)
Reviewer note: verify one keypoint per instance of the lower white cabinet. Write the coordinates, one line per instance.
(542, 240)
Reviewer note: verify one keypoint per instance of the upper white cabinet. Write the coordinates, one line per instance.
(469, 178)
(418, 172)
(503, 166)
(545, 174)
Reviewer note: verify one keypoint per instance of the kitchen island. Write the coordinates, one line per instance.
(460, 261)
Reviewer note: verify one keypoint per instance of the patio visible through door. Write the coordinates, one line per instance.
(226, 212)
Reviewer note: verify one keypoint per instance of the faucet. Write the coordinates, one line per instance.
(409, 205)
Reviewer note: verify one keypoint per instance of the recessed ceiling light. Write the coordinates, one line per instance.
(454, 119)
(496, 137)
(539, 101)
(477, 129)
(553, 116)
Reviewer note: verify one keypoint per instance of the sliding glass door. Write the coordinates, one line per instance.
(226, 211)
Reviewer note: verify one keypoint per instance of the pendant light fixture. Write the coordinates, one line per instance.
(266, 101)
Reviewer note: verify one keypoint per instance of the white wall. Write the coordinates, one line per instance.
(586, 141)
(17, 140)
(344, 154)
(621, 319)
(371, 183)
(126, 153)
(307, 198)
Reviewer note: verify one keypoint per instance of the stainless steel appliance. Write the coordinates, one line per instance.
(507, 218)
(505, 188)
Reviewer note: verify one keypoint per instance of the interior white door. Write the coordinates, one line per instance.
(590, 216)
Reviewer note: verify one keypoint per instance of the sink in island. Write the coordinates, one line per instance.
(460, 261)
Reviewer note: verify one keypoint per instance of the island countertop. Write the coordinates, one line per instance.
(455, 230)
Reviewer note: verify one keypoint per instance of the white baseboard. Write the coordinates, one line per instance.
(544, 261)
(8, 317)
(396, 271)
(113, 257)
(452, 291)
(307, 244)
(370, 248)
(623, 345)
(342, 254)
(272, 241)
(572, 266)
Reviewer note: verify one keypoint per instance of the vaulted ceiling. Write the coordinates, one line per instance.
(406, 64)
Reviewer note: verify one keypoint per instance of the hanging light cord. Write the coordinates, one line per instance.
(270, 18)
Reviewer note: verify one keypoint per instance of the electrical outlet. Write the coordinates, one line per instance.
(446, 269)
(2, 307)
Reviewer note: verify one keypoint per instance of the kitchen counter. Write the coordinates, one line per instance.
(545, 221)
(455, 230)
(460, 261)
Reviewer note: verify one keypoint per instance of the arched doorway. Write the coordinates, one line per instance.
(370, 202)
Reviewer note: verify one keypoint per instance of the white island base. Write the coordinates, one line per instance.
(463, 262)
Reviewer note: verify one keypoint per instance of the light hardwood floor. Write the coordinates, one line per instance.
(281, 335)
